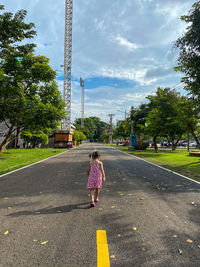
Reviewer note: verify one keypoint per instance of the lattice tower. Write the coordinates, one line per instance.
(68, 62)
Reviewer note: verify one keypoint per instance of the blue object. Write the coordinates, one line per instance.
(133, 141)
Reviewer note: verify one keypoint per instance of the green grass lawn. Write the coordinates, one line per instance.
(13, 159)
(178, 160)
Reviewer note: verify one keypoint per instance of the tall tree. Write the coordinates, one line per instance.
(189, 56)
(29, 96)
(167, 116)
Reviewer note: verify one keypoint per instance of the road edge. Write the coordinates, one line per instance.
(2, 175)
(183, 176)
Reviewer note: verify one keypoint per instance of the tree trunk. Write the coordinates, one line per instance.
(6, 141)
(173, 146)
(195, 138)
(155, 143)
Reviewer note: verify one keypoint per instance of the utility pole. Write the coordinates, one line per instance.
(123, 112)
(133, 137)
(68, 62)
(82, 84)
(111, 128)
(132, 118)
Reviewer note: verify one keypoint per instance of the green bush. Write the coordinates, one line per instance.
(145, 145)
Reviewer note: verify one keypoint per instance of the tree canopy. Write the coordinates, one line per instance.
(30, 99)
(189, 55)
(94, 129)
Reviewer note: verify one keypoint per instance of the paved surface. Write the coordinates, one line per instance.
(49, 202)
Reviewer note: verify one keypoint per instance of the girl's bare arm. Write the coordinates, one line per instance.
(88, 170)
(103, 173)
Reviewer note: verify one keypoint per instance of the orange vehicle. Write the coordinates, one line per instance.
(63, 139)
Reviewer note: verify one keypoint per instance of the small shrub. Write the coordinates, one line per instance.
(144, 146)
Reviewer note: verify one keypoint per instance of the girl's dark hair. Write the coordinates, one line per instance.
(95, 155)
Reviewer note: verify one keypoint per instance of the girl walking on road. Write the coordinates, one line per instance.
(95, 173)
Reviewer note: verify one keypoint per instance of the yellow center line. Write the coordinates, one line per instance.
(102, 249)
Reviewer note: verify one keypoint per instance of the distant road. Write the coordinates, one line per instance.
(151, 216)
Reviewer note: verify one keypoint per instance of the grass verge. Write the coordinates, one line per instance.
(13, 159)
(178, 161)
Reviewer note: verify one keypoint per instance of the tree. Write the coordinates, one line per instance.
(189, 56)
(35, 137)
(93, 127)
(191, 118)
(78, 136)
(29, 96)
(167, 116)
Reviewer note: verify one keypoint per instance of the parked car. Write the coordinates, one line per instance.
(70, 144)
(193, 144)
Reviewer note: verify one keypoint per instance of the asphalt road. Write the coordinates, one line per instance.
(49, 202)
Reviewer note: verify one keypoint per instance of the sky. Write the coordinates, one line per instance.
(123, 49)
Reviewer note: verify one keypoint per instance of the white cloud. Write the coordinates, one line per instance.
(130, 40)
(124, 42)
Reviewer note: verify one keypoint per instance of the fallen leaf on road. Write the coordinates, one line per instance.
(174, 235)
(189, 241)
(121, 194)
(130, 194)
(167, 217)
(143, 249)
(44, 242)
(5, 198)
(180, 251)
(141, 203)
(37, 212)
(119, 235)
(141, 198)
(40, 192)
(44, 227)
(134, 228)
(9, 208)
(193, 203)
(6, 233)
(34, 240)
(112, 207)
(112, 256)
(198, 246)
(172, 214)
(99, 208)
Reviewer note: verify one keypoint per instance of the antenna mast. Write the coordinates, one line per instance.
(68, 62)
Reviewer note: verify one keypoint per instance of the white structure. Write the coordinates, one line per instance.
(68, 62)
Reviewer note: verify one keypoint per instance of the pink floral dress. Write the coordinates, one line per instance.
(95, 176)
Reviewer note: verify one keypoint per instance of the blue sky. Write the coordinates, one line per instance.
(122, 48)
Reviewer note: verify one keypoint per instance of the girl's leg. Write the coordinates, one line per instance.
(92, 195)
(97, 193)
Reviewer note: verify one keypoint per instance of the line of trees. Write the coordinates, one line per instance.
(30, 101)
(168, 114)
(94, 129)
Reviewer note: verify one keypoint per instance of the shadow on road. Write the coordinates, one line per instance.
(51, 210)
